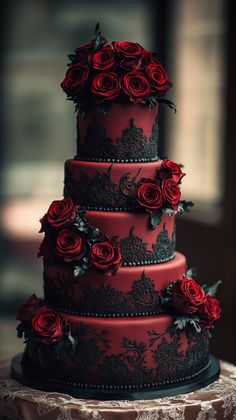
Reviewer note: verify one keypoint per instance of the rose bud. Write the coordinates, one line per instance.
(170, 169)
(47, 326)
(210, 311)
(149, 194)
(105, 86)
(75, 79)
(136, 86)
(60, 213)
(171, 192)
(106, 256)
(188, 296)
(70, 245)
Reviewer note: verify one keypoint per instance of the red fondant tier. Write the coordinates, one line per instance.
(103, 185)
(133, 290)
(127, 133)
(127, 352)
(140, 245)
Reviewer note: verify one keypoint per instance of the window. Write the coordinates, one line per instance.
(195, 133)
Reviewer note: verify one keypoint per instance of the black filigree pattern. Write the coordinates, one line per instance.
(93, 364)
(134, 251)
(182, 361)
(132, 146)
(142, 299)
(99, 192)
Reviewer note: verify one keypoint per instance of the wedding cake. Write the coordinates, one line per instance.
(121, 316)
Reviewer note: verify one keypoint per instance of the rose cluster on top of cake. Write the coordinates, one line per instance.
(101, 73)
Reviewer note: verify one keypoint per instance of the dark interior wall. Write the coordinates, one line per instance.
(229, 221)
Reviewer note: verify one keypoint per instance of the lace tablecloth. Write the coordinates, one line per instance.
(216, 401)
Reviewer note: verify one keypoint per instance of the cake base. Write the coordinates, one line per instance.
(200, 380)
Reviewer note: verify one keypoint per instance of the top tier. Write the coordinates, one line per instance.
(116, 88)
(128, 134)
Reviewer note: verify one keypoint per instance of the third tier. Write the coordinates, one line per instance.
(140, 245)
(133, 291)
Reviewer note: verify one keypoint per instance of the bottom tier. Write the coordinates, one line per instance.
(119, 354)
(201, 380)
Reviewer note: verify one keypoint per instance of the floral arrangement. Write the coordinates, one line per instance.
(193, 304)
(100, 74)
(188, 303)
(161, 194)
(69, 236)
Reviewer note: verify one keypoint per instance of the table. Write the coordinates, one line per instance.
(216, 401)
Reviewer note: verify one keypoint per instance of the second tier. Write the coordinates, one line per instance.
(106, 186)
(133, 291)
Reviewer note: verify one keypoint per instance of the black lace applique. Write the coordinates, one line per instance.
(100, 193)
(132, 146)
(196, 343)
(128, 367)
(134, 251)
(172, 361)
(93, 365)
(142, 299)
(59, 289)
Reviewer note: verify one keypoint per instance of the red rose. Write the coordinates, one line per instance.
(105, 86)
(47, 325)
(170, 169)
(70, 245)
(188, 296)
(106, 256)
(158, 77)
(84, 51)
(147, 56)
(128, 49)
(171, 192)
(60, 213)
(210, 311)
(149, 194)
(75, 79)
(136, 86)
(152, 58)
(27, 311)
(103, 59)
(131, 63)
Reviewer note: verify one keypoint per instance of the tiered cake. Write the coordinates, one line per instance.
(121, 316)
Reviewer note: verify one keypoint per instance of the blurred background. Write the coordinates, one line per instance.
(196, 41)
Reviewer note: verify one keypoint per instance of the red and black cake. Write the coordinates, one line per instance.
(121, 316)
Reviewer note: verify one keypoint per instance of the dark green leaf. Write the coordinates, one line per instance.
(184, 206)
(72, 57)
(169, 211)
(168, 102)
(97, 29)
(78, 271)
(155, 219)
(212, 290)
(192, 273)
(183, 321)
(69, 336)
